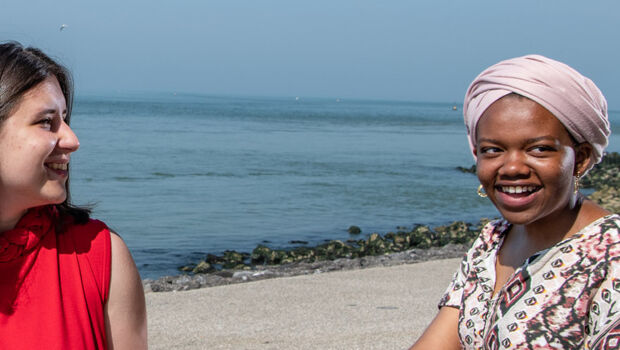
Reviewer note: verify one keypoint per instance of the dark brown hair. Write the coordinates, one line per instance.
(21, 69)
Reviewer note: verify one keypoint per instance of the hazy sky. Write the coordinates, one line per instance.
(384, 49)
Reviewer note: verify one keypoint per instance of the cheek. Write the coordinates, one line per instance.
(36, 148)
(17, 154)
(485, 170)
(559, 171)
(568, 159)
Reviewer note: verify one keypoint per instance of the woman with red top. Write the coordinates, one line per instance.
(66, 281)
(546, 275)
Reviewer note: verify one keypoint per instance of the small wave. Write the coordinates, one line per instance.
(160, 174)
(322, 184)
(264, 173)
(214, 174)
(127, 178)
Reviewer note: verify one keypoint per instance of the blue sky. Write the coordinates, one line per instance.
(404, 50)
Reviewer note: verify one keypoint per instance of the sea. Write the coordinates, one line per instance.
(180, 176)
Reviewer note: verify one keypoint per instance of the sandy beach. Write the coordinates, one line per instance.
(374, 308)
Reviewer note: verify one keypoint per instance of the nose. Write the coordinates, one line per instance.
(67, 139)
(515, 166)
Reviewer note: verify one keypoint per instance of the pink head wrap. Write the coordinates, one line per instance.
(568, 95)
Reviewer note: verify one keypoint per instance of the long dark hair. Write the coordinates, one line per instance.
(21, 69)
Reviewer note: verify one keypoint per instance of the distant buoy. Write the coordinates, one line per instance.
(62, 27)
(454, 108)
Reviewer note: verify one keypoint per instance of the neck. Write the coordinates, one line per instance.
(8, 220)
(553, 228)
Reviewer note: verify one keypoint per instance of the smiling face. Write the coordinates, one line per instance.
(35, 147)
(526, 160)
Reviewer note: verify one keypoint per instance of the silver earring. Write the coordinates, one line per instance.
(577, 178)
(480, 193)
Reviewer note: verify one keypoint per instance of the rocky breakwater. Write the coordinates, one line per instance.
(420, 243)
(604, 178)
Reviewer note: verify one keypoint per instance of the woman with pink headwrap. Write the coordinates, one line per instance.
(546, 275)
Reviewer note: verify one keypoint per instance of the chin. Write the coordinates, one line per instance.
(60, 200)
(519, 218)
(56, 198)
(516, 221)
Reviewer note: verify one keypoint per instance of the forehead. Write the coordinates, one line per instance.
(45, 97)
(47, 91)
(513, 117)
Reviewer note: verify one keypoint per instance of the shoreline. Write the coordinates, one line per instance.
(185, 282)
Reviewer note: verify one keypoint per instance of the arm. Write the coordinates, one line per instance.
(442, 333)
(604, 312)
(125, 311)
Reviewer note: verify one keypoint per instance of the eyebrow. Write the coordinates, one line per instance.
(528, 141)
(51, 111)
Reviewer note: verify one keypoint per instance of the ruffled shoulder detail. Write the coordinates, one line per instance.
(27, 234)
(494, 231)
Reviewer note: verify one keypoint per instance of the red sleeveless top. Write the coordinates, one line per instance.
(53, 287)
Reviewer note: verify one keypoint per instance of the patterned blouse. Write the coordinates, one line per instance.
(564, 297)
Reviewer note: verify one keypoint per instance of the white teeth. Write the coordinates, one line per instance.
(517, 189)
(57, 166)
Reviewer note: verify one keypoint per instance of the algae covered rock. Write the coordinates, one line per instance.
(470, 170)
(605, 178)
(262, 255)
(457, 232)
(376, 245)
(421, 237)
(608, 198)
(233, 259)
(354, 230)
(203, 267)
(187, 268)
(604, 174)
(302, 253)
(333, 250)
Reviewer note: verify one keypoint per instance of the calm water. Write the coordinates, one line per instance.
(179, 176)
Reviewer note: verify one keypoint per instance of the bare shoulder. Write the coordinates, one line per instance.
(590, 212)
(442, 333)
(120, 252)
(125, 310)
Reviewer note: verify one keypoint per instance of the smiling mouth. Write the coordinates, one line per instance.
(519, 190)
(58, 166)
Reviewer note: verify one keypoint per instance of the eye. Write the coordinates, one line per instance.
(489, 150)
(542, 149)
(46, 122)
(49, 122)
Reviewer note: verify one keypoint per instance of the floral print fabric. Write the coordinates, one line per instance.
(564, 297)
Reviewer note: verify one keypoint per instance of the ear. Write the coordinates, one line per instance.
(583, 156)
